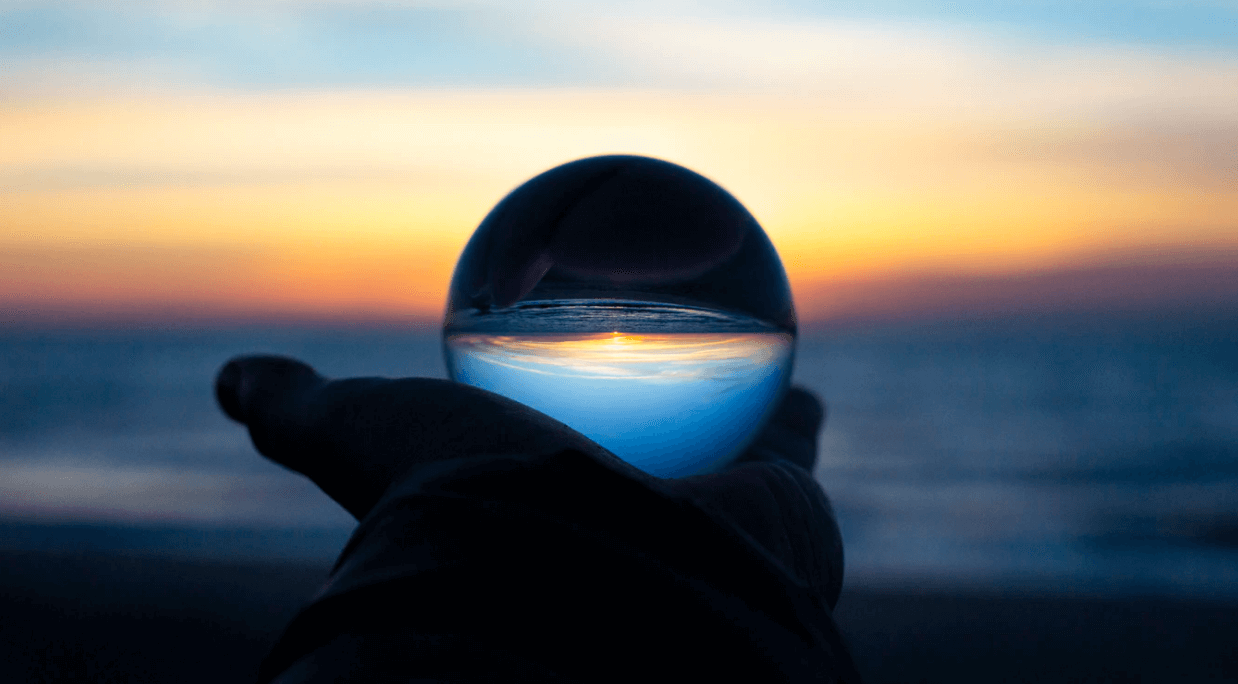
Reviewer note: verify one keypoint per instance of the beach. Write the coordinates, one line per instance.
(1026, 499)
(114, 618)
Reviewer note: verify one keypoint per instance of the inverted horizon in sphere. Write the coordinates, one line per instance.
(669, 404)
(632, 299)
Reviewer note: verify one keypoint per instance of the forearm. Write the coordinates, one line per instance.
(531, 569)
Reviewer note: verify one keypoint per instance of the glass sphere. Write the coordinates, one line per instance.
(633, 300)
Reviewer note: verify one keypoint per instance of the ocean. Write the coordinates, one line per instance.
(1080, 454)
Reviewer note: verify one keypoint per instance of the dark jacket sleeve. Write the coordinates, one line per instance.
(561, 568)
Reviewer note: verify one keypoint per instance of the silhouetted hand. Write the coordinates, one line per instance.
(454, 553)
(354, 438)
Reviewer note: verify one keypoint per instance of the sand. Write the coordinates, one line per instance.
(114, 618)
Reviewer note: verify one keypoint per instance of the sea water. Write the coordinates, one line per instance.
(1086, 454)
(673, 390)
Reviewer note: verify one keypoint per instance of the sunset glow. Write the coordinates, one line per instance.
(674, 357)
(967, 157)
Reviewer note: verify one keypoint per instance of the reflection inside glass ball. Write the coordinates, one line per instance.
(632, 300)
(671, 404)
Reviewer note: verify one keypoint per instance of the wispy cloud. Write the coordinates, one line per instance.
(1117, 282)
(619, 356)
(357, 144)
(953, 61)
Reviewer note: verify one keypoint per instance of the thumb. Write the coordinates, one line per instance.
(355, 438)
(280, 401)
(270, 395)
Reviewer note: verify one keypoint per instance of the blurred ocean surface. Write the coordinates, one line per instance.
(1078, 454)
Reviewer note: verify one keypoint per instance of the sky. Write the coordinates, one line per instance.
(326, 160)
(676, 404)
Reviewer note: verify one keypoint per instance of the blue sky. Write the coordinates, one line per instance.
(367, 43)
(1208, 25)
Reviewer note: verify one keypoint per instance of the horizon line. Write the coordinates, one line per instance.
(1097, 287)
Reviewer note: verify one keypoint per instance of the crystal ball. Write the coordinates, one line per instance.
(633, 300)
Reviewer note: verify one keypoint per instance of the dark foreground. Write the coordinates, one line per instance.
(112, 618)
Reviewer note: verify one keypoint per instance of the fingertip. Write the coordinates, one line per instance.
(228, 390)
(248, 386)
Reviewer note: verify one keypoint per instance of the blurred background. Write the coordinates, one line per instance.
(1011, 230)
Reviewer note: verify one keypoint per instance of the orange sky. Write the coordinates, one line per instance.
(327, 159)
(354, 205)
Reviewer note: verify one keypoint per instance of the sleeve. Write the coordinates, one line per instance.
(559, 568)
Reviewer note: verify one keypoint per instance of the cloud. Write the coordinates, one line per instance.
(60, 46)
(948, 66)
(865, 147)
(1172, 279)
(645, 357)
(27, 77)
(894, 69)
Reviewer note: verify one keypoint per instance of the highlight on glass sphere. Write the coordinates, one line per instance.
(633, 300)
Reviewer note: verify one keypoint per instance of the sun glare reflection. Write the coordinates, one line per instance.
(666, 357)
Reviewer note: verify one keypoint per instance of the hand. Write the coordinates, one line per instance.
(355, 438)
(762, 526)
